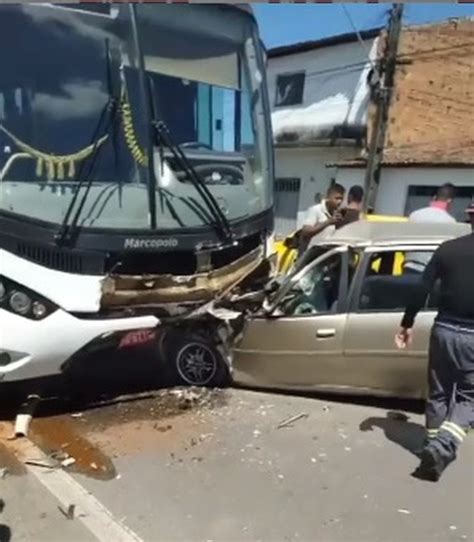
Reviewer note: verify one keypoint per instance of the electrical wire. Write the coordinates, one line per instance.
(359, 37)
(400, 56)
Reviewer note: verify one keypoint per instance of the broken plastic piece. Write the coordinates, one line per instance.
(68, 462)
(289, 421)
(24, 417)
(46, 462)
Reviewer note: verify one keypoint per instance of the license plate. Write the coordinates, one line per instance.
(136, 338)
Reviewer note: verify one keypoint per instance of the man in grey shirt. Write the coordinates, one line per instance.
(437, 211)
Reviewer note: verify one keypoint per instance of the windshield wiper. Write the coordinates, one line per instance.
(221, 223)
(67, 232)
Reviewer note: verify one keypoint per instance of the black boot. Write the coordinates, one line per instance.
(431, 466)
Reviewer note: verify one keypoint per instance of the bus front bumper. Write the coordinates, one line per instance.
(32, 349)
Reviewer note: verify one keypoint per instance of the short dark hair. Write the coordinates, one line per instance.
(356, 194)
(336, 188)
(446, 192)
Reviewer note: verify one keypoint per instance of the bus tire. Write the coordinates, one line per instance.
(194, 360)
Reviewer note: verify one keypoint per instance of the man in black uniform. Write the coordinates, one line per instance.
(450, 405)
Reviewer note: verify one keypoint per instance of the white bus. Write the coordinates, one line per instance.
(136, 176)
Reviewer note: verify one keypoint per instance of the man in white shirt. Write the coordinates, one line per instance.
(437, 211)
(322, 218)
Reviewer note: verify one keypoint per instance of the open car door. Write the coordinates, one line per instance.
(299, 344)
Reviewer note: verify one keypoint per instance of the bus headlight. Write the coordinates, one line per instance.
(20, 303)
(20, 300)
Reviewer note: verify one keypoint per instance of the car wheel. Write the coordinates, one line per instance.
(195, 361)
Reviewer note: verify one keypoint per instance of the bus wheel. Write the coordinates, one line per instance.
(196, 361)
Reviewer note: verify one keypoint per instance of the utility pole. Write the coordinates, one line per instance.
(383, 95)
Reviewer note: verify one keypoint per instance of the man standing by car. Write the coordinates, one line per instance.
(450, 405)
(437, 211)
(322, 217)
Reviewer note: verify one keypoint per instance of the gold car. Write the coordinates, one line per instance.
(330, 326)
(286, 249)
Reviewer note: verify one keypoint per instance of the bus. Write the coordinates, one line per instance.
(136, 178)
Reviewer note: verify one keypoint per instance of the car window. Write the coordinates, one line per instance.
(316, 291)
(391, 280)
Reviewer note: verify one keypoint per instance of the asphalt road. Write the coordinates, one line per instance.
(200, 465)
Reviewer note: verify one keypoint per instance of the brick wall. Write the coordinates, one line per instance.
(432, 112)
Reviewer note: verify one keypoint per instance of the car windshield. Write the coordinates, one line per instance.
(205, 76)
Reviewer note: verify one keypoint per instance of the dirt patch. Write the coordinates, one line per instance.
(60, 435)
(169, 422)
(166, 422)
(10, 462)
(180, 434)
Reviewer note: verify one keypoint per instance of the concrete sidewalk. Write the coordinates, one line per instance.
(31, 514)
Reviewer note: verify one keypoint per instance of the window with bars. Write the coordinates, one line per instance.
(286, 203)
(289, 89)
(287, 184)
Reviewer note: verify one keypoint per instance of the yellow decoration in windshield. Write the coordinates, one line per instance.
(129, 132)
(56, 166)
(53, 165)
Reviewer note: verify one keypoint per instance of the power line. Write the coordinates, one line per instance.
(359, 37)
(400, 56)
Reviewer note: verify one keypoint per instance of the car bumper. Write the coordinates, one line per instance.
(32, 349)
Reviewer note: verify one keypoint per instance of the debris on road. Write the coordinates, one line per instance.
(326, 408)
(24, 417)
(257, 433)
(69, 461)
(3, 473)
(404, 511)
(77, 415)
(45, 462)
(69, 513)
(190, 396)
(290, 421)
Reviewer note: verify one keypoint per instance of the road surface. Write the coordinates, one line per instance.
(214, 466)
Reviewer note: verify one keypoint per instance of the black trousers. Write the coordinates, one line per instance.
(450, 405)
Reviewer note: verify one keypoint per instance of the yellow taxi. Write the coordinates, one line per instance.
(287, 249)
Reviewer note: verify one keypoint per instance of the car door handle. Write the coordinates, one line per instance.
(325, 333)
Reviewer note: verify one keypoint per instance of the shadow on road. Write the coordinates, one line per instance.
(5, 533)
(398, 429)
(103, 380)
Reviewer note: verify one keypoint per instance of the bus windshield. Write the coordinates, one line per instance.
(205, 81)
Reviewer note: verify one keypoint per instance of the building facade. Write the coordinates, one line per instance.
(430, 132)
(323, 116)
(320, 100)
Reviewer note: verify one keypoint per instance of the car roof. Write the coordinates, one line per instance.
(364, 232)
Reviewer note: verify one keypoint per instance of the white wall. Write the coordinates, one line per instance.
(394, 183)
(335, 90)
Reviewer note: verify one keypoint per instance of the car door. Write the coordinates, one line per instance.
(300, 344)
(381, 292)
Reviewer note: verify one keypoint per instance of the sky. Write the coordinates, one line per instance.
(281, 24)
